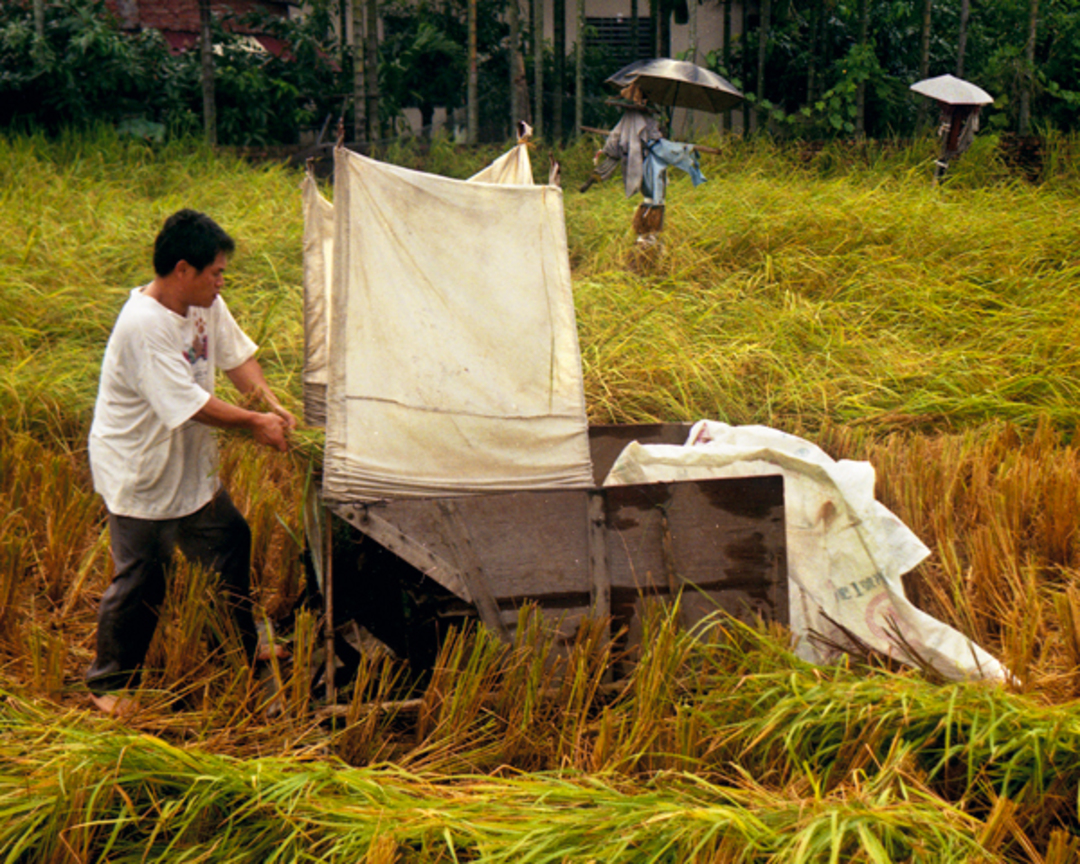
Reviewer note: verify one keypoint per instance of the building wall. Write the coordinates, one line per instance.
(182, 16)
(710, 37)
(710, 22)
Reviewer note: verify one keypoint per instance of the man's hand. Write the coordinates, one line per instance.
(267, 428)
(290, 421)
(270, 430)
(249, 380)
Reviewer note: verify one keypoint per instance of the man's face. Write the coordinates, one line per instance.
(201, 287)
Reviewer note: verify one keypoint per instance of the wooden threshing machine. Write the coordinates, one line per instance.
(461, 479)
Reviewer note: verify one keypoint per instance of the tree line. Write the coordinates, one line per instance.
(810, 69)
(843, 67)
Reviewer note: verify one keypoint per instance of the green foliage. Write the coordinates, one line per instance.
(423, 61)
(834, 112)
(260, 99)
(297, 89)
(83, 71)
(422, 65)
(993, 59)
(86, 71)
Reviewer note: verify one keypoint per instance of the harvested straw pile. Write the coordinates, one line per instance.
(723, 750)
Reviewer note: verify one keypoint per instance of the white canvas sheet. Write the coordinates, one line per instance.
(513, 168)
(846, 551)
(455, 366)
(318, 275)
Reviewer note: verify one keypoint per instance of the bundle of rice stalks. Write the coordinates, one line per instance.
(97, 793)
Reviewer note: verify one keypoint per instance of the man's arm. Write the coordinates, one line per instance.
(266, 428)
(248, 378)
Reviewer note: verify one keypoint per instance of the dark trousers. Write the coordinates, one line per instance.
(217, 537)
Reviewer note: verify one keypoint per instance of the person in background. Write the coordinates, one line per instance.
(637, 145)
(957, 129)
(153, 455)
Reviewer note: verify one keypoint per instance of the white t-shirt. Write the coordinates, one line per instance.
(148, 457)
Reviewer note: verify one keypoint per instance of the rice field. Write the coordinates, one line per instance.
(838, 295)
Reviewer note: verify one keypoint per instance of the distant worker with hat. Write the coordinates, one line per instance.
(960, 102)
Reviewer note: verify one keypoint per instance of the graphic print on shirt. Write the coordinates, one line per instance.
(198, 354)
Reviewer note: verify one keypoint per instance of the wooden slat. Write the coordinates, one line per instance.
(409, 549)
(599, 576)
(459, 538)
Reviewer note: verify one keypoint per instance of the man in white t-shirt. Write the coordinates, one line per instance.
(153, 455)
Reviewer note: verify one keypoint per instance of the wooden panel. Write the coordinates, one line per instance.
(726, 537)
(599, 575)
(607, 442)
(600, 551)
(527, 543)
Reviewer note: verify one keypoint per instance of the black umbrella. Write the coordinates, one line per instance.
(679, 84)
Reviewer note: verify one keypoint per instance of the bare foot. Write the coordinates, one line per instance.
(265, 651)
(115, 706)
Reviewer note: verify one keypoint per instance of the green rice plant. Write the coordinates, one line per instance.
(877, 295)
(523, 702)
(998, 508)
(886, 300)
(194, 629)
(787, 723)
(48, 496)
(648, 730)
(46, 650)
(969, 743)
(368, 737)
(80, 240)
(455, 731)
(13, 566)
(297, 686)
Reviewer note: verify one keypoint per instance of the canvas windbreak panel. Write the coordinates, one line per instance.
(514, 167)
(455, 367)
(318, 273)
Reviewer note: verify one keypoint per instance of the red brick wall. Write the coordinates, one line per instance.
(182, 16)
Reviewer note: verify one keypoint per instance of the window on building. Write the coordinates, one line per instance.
(616, 35)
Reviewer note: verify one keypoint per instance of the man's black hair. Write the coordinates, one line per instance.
(189, 236)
